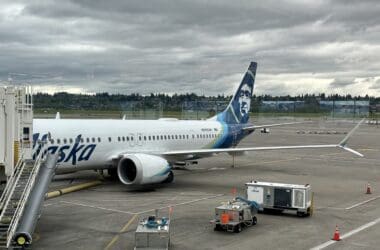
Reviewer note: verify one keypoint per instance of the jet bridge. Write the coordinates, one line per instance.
(26, 179)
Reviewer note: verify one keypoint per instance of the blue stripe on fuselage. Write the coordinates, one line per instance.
(226, 139)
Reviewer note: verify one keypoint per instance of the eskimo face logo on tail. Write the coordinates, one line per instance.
(74, 153)
(242, 101)
(245, 100)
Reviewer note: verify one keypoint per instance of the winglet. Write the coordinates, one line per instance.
(343, 143)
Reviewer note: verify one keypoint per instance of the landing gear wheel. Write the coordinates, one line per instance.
(170, 178)
(217, 227)
(112, 172)
(254, 220)
(237, 228)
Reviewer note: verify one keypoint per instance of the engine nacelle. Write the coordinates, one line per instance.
(140, 169)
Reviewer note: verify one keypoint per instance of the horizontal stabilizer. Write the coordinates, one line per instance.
(271, 125)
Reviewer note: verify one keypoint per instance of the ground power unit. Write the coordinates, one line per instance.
(153, 233)
(281, 197)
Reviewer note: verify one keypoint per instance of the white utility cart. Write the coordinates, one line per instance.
(281, 196)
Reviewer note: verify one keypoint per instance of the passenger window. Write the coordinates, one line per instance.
(162, 137)
(64, 140)
(59, 141)
(179, 137)
(52, 141)
(81, 140)
(87, 140)
(109, 139)
(127, 138)
(176, 137)
(132, 138)
(93, 139)
(71, 140)
(98, 139)
(149, 137)
(153, 137)
(118, 138)
(123, 138)
(165, 137)
(139, 138)
(193, 136)
(144, 138)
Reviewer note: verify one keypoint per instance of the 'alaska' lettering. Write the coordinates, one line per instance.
(67, 153)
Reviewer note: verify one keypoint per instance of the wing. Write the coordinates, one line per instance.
(210, 152)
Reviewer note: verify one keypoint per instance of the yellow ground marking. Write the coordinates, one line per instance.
(123, 230)
(368, 149)
(74, 188)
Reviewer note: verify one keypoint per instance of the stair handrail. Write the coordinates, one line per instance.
(24, 197)
(10, 181)
(12, 188)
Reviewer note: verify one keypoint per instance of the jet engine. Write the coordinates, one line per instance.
(140, 169)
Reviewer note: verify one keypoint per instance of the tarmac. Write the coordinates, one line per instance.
(106, 216)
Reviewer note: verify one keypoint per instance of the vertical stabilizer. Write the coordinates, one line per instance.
(237, 110)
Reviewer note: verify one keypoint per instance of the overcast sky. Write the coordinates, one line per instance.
(196, 46)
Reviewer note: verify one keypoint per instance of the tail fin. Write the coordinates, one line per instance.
(238, 109)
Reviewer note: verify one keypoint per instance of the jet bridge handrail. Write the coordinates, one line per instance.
(10, 182)
(24, 197)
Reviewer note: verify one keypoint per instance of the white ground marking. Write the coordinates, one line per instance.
(217, 168)
(49, 204)
(181, 204)
(97, 207)
(142, 212)
(346, 235)
(362, 203)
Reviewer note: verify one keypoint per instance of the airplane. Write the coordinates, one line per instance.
(141, 152)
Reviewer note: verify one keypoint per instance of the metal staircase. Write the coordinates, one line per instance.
(15, 197)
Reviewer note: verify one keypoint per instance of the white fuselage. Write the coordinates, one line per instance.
(91, 144)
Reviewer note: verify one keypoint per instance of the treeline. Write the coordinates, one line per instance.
(106, 101)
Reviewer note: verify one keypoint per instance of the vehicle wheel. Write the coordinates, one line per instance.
(217, 227)
(112, 172)
(254, 220)
(170, 178)
(300, 214)
(238, 228)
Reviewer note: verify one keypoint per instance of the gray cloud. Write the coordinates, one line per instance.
(342, 82)
(376, 85)
(189, 46)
